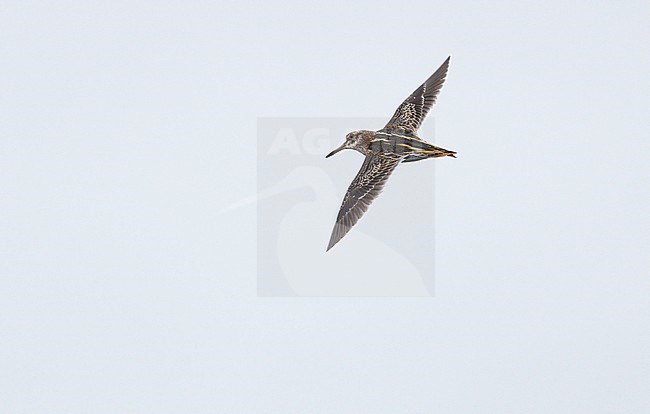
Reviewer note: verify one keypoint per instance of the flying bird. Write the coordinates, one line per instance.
(384, 149)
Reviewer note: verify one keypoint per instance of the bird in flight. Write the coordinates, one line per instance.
(384, 149)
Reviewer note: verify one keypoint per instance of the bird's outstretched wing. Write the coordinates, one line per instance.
(409, 115)
(365, 187)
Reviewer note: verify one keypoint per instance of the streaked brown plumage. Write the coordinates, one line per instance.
(385, 149)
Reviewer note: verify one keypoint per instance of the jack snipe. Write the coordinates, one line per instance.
(384, 149)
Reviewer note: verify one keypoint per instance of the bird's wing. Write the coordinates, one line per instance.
(409, 115)
(365, 187)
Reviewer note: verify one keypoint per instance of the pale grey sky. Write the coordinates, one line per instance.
(126, 126)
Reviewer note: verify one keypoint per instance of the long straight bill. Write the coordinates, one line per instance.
(342, 147)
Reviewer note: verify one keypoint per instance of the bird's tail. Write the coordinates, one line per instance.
(431, 151)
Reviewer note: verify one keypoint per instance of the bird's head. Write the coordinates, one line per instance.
(354, 140)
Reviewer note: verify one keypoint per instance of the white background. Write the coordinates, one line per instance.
(126, 126)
